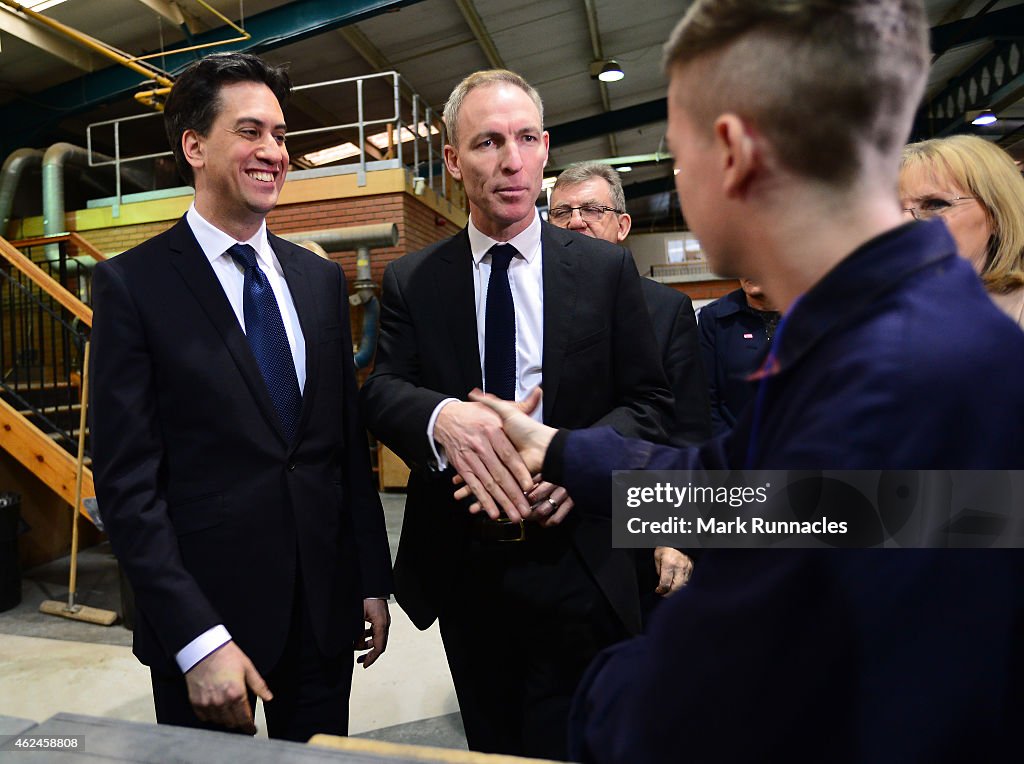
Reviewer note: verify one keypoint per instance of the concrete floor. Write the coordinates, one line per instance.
(51, 664)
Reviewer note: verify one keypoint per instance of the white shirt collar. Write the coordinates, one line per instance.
(214, 242)
(526, 242)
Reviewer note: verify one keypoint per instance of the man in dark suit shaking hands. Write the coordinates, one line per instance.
(232, 469)
(524, 601)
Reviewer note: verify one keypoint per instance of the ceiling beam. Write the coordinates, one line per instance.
(665, 185)
(30, 121)
(166, 8)
(995, 81)
(483, 37)
(44, 39)
(370, 53)
(600, 125)
(992, 25)
(598, 51)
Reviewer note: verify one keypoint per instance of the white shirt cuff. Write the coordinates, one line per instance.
(201, 646)
(441, 462)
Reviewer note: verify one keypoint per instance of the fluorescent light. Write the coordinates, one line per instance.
(380, 140)
(624, 168)
(332, 154)
(984, 118)
(43, 5)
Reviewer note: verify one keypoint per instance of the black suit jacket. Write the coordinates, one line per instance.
(600, 366)
(210, 511)
(675, 330)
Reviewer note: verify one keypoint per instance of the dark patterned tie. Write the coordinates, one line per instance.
(500, 327)
(264, 329)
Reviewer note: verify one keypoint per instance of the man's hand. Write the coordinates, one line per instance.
(550, 504)
(375, 638)
(482, 454)
(530, 437)
(674, 569)
(217, 688)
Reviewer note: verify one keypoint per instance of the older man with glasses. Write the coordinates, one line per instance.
(588, 198)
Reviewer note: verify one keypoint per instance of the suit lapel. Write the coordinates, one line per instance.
(559, 267)
(188, 259)
(305, 306)
(456, 298)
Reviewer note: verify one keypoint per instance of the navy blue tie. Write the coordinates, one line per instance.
(264, 329)
(500, 327)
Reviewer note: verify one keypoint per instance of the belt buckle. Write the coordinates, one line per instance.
(522, 530)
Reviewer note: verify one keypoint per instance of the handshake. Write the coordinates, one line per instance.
(497, 451)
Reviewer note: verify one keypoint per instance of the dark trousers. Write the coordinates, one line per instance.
(311, 691)
(524, 623)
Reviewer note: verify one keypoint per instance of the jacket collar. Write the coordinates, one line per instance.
(858, 282)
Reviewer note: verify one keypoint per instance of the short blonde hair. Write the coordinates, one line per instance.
(986, 172)
(479, 79)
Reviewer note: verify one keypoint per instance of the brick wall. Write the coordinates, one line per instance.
(117, 240)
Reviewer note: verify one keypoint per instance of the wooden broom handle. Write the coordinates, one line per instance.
(79, 468)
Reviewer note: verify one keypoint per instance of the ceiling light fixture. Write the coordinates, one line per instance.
(986, 117)
(606, 71)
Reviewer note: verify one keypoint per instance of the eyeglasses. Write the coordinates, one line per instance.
(591, 213)
(932, 206)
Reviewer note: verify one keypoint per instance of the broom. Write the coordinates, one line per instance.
(71, 609)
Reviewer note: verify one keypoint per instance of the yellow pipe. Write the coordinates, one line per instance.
(153, 97)
(244, 36)
(147, 70)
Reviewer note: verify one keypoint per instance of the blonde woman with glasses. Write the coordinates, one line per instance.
(976, 188)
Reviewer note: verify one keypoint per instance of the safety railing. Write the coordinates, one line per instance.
(394, 127)
(66, 258)
(43, 327)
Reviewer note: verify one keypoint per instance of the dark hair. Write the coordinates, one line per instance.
(194, 101)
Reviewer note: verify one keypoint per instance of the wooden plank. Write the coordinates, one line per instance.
(41, 456)
(403, 752)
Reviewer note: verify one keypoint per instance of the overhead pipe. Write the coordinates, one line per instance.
(360, 238)
(10, 176)
(53, 181)
(147, 70)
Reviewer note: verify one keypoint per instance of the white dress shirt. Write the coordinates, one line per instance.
(526, 279)
(231, 275)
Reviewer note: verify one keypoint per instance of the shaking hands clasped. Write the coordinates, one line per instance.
(537, 500)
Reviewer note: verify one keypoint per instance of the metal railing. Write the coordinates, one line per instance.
(409, 120)
(42, 340)
(66, 267)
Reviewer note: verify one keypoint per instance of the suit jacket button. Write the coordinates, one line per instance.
(291, 466)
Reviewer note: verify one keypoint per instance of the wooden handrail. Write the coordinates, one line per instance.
(44, 458)
(84, 244)
(74, 237)
(45, 282)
